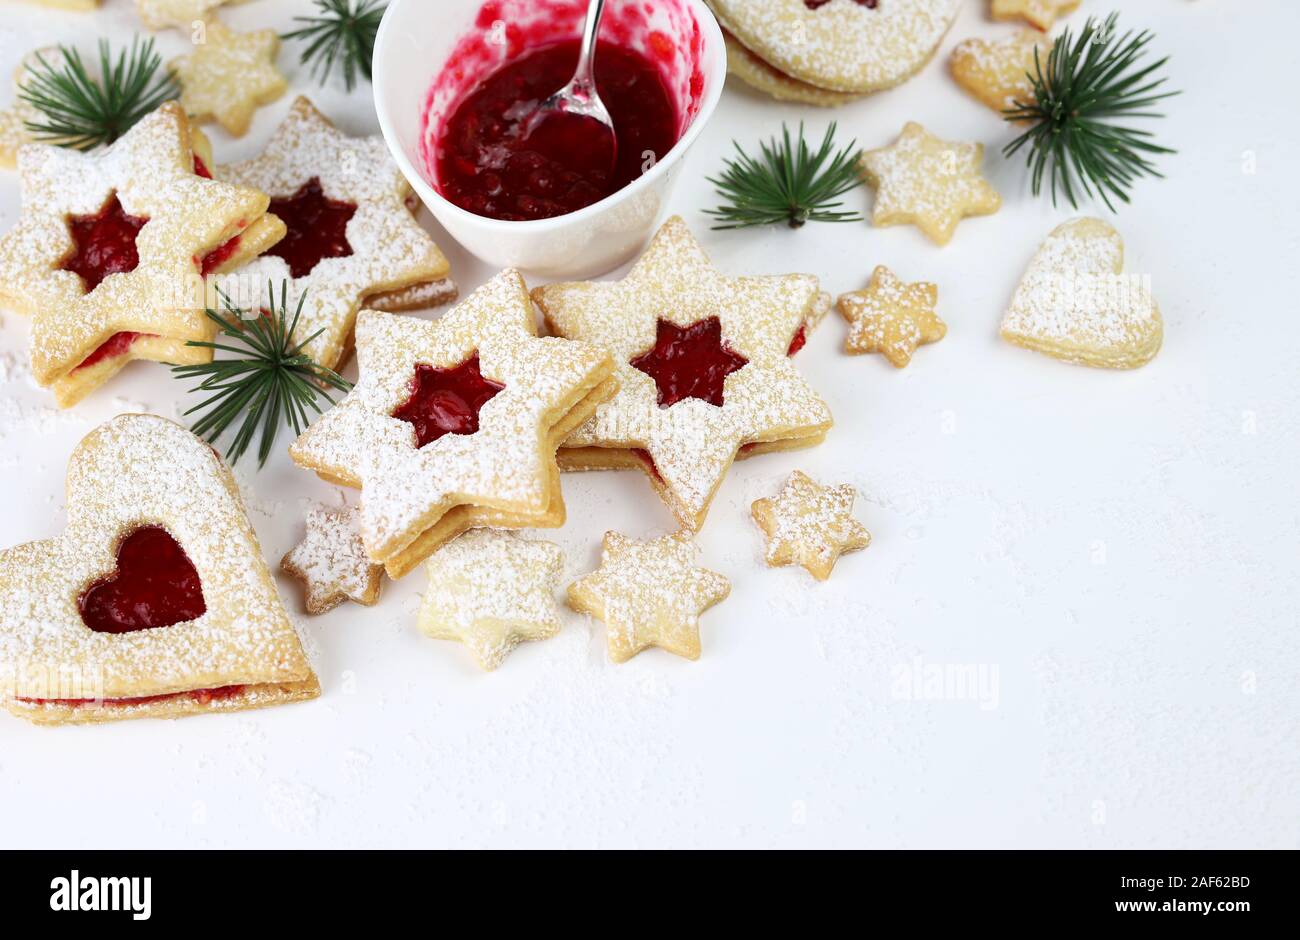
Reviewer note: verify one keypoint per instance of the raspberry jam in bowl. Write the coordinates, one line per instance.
(452, 89)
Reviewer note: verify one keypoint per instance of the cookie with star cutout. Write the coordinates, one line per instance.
(491, 591)
(649, 592)
(703, 364)
(453, 423)
(331, 562)
(229, 75)
(155, 601)
(844, 46)
(891, 317)
(109, 254)
(350, 234)
(809, 525)
(998, 72)
(927, 182)
(1041, 13)
(1075, 303)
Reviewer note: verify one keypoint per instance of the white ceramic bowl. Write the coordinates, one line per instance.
(417, 39)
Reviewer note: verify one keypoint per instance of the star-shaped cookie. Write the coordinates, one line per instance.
(229, 75)
(927, 182)
(331, 562)
(453, 423)
(14, 119)
(351, 235)
(998, 71)
(166, 220)
(702, 366)
(1042, 13)
(183, 14)
(649, 593)
(492, 590)
(810, 525)
(891, 317)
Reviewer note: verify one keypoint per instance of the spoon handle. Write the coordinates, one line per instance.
(584, 76)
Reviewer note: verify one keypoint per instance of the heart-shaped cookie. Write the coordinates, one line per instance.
(1076, 304)
(155, 602)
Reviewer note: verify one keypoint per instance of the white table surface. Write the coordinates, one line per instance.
(1117, 551)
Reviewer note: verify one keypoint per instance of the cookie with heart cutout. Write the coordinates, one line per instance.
(109, 252)
(1076, 304)
(155, 602)
(350, 233)
(846, 46)
(453, 423)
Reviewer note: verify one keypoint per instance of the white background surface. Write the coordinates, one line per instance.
(1120, 547)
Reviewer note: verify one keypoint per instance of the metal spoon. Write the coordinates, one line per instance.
(579, 98)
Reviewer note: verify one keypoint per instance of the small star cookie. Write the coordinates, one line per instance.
(229, 75)
(492, 590)
(810, 525)
(92, 309)
(928, 182)
(331, 562)
(1042, 13)
(350, 234)
(703, 365)
(649, 593)
(998, 71)
(1076, 304)
(183, 14)
(453, 423)
(891, 317)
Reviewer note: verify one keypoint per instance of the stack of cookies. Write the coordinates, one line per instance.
(828, 52)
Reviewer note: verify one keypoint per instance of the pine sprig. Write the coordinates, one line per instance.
(787, 183)
(81, 111)
(1087, 83)
(271, 381)
(342, 33)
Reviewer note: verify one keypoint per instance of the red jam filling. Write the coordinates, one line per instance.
(817, 4)
(650, 465)
(201, 168)
(105, 243)
(218, 256)
(155, 585)
(202, 696)
(317, 228)
(116, 345)
(799, 340)
(487, 165)
(446, 401)
(690, 362)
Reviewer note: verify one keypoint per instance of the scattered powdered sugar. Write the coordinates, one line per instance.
(389, 249)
